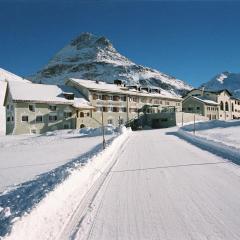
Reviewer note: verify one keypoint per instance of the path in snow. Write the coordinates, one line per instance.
(165, 188)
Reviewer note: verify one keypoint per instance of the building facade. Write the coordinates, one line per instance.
(118, 104)
(214, 105)
(37, 108)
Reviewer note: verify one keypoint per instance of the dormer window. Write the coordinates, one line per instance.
(31, 108)
(53, 107)
(69, 96)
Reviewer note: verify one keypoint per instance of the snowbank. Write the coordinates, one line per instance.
(45, 220)
(218, 137)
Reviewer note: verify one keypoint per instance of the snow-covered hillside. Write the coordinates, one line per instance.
(92, 57)
(225, 80)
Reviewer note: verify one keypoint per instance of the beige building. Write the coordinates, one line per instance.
(235, 105)
(214, 105)
(119, 103)
(38, 108)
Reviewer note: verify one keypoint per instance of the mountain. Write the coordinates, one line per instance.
(225, 80)
(95, 58)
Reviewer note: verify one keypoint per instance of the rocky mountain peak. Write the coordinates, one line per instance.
(92, 57)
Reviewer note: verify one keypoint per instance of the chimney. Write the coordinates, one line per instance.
(97, 81)
(203, 88)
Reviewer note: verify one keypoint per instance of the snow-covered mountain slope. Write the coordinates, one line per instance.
(225, 80)
(95, 58)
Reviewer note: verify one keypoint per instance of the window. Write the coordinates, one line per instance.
(198, 108)
(105, 109)
(8, 107)
(24, 118)
(53, 107)
(135, 99)
(122, 109)
(110, 121)
(52, 118)
(99, 97)
(226, 106)
(115, 109)
(104, 97)
(167, 103)
(12, 118)
(88, 114)
(221, 106)
(116, 98)
(81, 114)
(110, 98)
(232, 107)
(110, 109)
(69, 96)
(39, 119)
(31, 108)
(8, 119)
(67, 114)
(123, 98)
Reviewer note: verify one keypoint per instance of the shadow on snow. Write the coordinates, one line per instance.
(25, 196)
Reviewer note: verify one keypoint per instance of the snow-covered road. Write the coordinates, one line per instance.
(165, 188)
(146, 185)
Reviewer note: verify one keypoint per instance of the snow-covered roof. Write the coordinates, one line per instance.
(6, 75)
(32, 92)
(205, 100)
(113, 88)
(3, 88)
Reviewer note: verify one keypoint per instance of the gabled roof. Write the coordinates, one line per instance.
(3, 89)
(42, 93)
(210, 91)
(203, 100)
(113, 88)
(8, 76)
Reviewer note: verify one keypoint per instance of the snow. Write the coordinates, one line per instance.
(113, 88)
(6, 75)
(221, 78)
(45, 93)
(205, 100)
(218, 137)
(94, 58)
(47, 219)
(23, 157)
(225, 80)
(139, 188)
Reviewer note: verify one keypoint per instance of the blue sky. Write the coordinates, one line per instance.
(190, 40)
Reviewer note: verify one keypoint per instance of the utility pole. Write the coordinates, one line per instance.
(104, 142)
(182, 118)
(194, 126)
